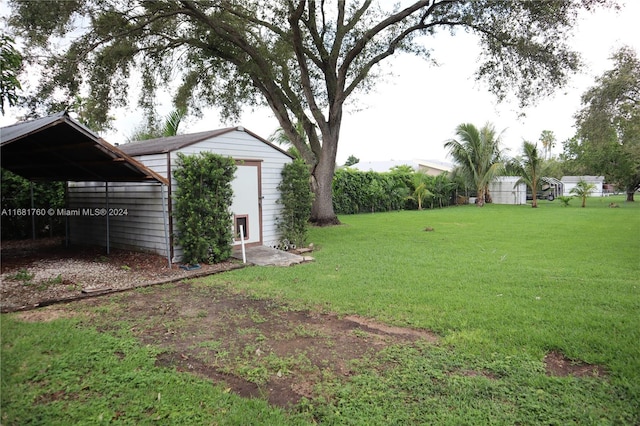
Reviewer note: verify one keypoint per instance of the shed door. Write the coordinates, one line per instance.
(246, 205)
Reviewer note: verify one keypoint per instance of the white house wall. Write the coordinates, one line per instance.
(143, 227)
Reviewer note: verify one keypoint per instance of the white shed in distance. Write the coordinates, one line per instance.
(570, 182)
(506, 190)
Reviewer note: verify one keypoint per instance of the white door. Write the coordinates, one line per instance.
(246, 203)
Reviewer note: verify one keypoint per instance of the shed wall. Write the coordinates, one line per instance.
(570, 182)
(143, 227)
(504, 190)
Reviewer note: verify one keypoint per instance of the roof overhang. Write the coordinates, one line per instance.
(58, 148)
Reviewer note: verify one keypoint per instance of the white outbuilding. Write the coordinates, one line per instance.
(506, 190)
(142, 218)
(570, 182)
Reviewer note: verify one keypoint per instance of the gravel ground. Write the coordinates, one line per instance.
(35, 273)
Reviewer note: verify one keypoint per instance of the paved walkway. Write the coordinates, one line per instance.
(267, 256)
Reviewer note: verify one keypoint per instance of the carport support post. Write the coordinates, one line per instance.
(106, 192)
(33, 217)
(165, 207)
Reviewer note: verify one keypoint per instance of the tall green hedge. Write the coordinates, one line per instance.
(296, 198)
(203, 197)
(356, 191)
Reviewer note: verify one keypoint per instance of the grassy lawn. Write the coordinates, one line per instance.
(502, 285)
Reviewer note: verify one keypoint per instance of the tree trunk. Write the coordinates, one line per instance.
(487, 196)
(630, 196)
(534, 191)
(322, 213)
(480, 197)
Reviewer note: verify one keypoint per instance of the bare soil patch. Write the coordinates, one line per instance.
(557, 364)
(255, 348)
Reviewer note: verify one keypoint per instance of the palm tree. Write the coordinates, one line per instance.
(583, 189)
(530, 169)
(548, 140)
(477, 154)
(442, 188)
(421, 191)
(172, 121)
(153, 130)
(280, 137)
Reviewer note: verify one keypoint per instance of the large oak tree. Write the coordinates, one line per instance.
(304, 59)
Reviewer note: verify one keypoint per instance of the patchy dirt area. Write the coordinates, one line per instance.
(255, 348)
(37, 273)
(557, 364)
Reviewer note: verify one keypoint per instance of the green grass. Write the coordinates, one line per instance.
(58, 373)
(497, 283)
(501, 285)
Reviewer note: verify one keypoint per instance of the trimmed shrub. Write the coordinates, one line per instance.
(296, 198)
(203, 197)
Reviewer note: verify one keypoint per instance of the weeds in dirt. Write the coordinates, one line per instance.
(212, 345)
(301, 330)
(23, 275)
(54, 280)
(256, 317)
(27, 279)
(74, 287)
(360, 333)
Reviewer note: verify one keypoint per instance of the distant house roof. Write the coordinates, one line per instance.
(385, 166)
(575, 179)
(58, 148)
(435, 166)
(175, 143)
(382, 166)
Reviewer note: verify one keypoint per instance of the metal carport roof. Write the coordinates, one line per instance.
(58, 148)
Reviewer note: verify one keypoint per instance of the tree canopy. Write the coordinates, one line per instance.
(608, 138)
(10, 64)
(303, 59)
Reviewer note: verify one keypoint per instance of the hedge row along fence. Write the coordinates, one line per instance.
(356, 191)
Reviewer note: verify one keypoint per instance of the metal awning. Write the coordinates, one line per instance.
(58, 148)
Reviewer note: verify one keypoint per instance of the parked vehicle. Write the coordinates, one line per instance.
(545, 194)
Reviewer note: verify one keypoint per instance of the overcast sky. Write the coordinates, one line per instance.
(411, 114)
